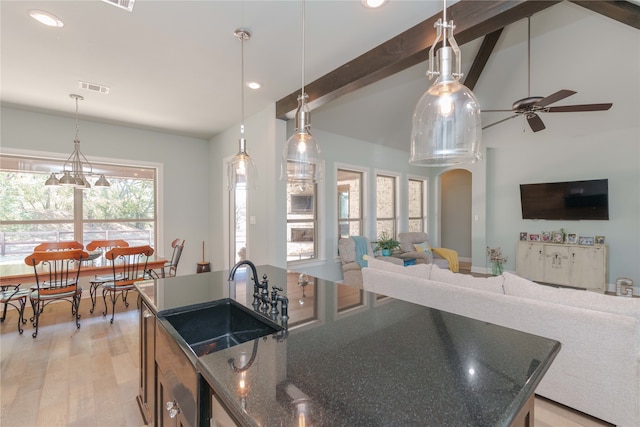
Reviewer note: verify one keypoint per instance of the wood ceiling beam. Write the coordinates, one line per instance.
(622, 11)
(480, 61)
(473, 19)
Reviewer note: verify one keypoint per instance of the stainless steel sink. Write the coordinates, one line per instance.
(216, 325)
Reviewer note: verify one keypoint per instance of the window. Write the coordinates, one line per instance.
(350, 194)
(416, 202)
(302, 222)
(31, 213)
(386, 211)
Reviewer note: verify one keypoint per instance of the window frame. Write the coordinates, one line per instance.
(395, 220)
(46, 162)
(423, 218)
(364, 199)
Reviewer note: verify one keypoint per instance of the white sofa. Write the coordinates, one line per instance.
(598, 368)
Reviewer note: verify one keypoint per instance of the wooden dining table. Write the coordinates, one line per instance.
(21, 273)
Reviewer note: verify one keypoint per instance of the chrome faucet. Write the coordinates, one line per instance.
(256, 283)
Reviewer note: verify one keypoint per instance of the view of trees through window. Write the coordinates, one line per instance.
(386, 217)
(416, 200)
(31, 213)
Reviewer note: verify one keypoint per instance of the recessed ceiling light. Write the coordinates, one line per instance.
(46, 18)
(372, 4)
(254, 85)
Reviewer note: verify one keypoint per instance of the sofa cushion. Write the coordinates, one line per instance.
(422, 247)
(489, 284)
(518, 286)
(419, 270)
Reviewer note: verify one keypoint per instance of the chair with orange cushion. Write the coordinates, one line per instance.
(97, 281)
(129, 266)
(57, 274)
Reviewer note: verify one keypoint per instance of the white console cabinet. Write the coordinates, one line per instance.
(563, 264)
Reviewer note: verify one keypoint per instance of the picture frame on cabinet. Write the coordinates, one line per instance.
(599, 240)
(586, 240)
(546, 236)
(572, 238)
(556, 237)
(534, 237)
(523, 235)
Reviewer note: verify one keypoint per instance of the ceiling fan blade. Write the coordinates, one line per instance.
(584, 107)
(535, 122)
(499, 121)
(555, 97)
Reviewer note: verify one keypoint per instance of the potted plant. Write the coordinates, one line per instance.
(386, 244)
(496, 257)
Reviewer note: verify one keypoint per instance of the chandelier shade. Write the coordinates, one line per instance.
(76, 168)
(301, 155)
(241, 170)
(446, 124)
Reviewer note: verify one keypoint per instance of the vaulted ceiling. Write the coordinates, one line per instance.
(174, 66)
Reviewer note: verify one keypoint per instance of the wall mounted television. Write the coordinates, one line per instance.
(573, 200)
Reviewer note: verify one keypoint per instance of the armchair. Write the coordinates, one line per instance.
(351, 267)
(408, 250)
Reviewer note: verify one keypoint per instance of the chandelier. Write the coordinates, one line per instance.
(77, 168)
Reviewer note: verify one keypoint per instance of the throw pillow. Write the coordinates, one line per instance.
(422, 247)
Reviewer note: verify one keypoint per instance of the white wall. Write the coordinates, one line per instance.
(183, 160)
(600, 59)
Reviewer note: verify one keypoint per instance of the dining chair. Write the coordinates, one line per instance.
(56, 280)
(12, 295)
(170, 268)
(129, 266)
(58, 246)
(98, 280)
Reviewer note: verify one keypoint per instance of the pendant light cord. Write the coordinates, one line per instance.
(77, 126)
(444, 24)
(242, 36)
(303, 43)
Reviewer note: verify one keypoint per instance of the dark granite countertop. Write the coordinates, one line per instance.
(352, 358)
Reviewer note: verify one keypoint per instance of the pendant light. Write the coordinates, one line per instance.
(301, 158)
(446, 121)
(241, 171)
(73, 170)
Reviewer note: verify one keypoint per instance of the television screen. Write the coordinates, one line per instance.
(572, 200)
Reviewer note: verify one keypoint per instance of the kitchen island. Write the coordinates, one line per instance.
(349, 358)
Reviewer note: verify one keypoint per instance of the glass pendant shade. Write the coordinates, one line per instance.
(241, 170)
(446, 121)
(301, 156)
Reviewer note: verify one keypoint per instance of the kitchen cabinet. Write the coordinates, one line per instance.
(146, 394)
(563, 264)
(177, 392)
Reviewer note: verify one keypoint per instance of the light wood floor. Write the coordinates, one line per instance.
(89, 376)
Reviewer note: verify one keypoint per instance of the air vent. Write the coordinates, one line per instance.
(122, 4)
(93, 87)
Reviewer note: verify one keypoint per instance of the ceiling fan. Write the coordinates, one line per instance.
(531, 106)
